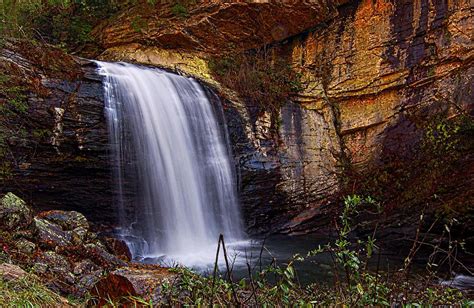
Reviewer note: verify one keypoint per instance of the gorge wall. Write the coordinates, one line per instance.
(388, 70)
(373, 76)
(54, 135)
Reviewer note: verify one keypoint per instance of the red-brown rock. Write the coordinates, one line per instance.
(11, 272)
(118, 247)
(143, 281)
(215, 26)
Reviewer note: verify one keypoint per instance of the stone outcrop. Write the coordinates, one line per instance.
(388, 70)
(10, 272)
(183, 40)
(57, 148)
(213, 26)
(382, 62)
(50, 246)
(143, 281)
(373, 75)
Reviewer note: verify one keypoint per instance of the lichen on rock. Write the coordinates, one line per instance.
(58, 246)
(14, 213)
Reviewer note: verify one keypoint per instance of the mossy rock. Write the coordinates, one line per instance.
(51, 235)
(14, 213)
(71, 222)
(25, 246)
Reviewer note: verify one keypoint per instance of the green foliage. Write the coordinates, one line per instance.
(429, 171)
(13, 106)
(139, 24)
(67, 22)
(278, 286)
(179, 10)
(258, 78)
(442, 136)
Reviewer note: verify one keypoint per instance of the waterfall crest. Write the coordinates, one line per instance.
(168, 145)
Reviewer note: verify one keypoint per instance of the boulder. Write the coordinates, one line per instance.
(57, 266)
(68, 220)
(55, 262)
(86, 282)
(103, 258)
(25, 246)
(71, 221)
(84, 267)
(118, 247)
(10, 272)
(14, 213)
(51, 235)
(143, 281)
(39, 268)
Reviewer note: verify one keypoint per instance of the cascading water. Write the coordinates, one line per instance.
(168, 144)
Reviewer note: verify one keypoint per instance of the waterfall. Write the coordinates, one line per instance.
(170, 150)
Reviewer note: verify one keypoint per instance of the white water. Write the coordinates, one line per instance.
(170, 150)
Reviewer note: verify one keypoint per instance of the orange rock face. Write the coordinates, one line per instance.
(374, 73)
(388, 70)
(387, 60)
(215, 26)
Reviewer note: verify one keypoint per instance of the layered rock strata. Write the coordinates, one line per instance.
(374, 74)
(56, 143)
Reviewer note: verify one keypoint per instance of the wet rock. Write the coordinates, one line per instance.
(118, 247)
(11, 272)
(51, 235)
(103, 258)
(68, 220)
(460, 282)
(86, 282)
(57, 265)
(14, 213)
(24, 246)
(84, 267)
(62, 161)
(145, 282)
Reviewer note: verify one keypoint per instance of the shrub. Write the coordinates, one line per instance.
(56, 21)
(259, 79)
(277, 285)
(179, 10)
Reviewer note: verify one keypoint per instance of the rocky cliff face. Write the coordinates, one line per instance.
(213, 26)
(388, 70)
(374, 75)
(382, 62)
(56, 146)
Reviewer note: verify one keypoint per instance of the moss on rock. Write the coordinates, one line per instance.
(14, 213)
